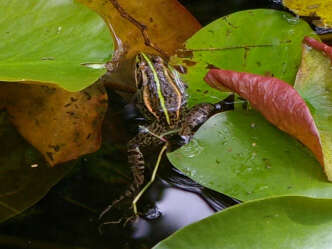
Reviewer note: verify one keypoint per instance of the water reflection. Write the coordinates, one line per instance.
(176, 201)
(177, 207)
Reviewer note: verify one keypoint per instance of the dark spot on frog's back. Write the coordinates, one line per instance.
(181, 69)
(189, 63)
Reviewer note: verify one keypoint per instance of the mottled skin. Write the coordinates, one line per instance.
(161, 98)
(181, 122)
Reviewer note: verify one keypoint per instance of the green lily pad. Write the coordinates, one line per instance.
(243, 155)
(314, 84)
(52, 41)
(24, 176)
(278, 223)
(258, 41)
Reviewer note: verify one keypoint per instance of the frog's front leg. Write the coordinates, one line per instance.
(201, 113)
(195, 118)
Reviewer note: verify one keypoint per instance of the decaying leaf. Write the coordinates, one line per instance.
(319, 10)
(279, 103)
(314, 83)
(60, 124)
(142, 26)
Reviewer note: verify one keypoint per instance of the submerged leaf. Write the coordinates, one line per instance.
(24, 176)
(279, 103)
(314, 83)
(258, 41)
(60, 124)
(278, 223)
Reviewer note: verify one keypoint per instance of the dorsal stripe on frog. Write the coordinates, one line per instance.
(178, 92)
(160, 95)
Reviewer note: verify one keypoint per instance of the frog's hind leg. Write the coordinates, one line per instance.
(136, 160)
(153, 177)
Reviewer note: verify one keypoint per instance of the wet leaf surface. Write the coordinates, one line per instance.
(243, 42)
(49, 41)
(155, 26)
(278, 102)
(279, 223)
(319, 10)
(244, 156)
(25, 177)
(60, 124)
(314, 83)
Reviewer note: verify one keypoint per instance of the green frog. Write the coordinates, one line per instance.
(162, 99)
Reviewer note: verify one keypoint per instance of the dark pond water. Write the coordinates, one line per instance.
(68, 216)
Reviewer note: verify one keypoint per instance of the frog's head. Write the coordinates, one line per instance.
(160, 92)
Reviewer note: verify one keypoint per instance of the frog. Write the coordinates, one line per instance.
(162, 99)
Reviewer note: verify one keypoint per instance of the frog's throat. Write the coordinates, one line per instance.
(160, 95)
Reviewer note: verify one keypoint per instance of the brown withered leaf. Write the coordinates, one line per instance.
(61, 125)
(152, 26)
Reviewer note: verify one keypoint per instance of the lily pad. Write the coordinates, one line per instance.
(51, 41)
(278, 223)
(244, 156)
(24, 176)
(314, 83)
(258, 41)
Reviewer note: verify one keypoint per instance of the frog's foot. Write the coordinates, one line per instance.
(128, 194)
(107, 209)
(114, 222)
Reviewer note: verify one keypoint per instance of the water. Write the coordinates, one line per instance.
(68, 215)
